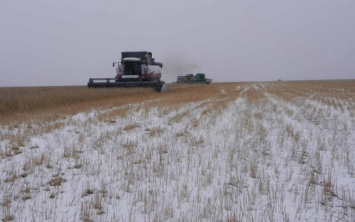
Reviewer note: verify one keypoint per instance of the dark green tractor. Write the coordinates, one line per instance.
(197, 78)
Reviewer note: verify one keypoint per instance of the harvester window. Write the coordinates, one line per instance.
(132, 68)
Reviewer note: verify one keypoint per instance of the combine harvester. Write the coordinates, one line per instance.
(190, 78)
(136, 69)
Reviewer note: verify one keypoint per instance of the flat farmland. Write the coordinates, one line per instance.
(247, 151)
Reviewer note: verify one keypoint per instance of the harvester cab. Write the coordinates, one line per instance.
(136, 69)
(131, 66)
(200, 76)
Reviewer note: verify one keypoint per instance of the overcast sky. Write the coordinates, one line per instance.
(66, 42)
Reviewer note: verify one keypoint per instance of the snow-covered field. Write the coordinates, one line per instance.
(251, 152)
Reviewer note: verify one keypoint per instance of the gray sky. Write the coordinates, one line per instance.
(66, 42)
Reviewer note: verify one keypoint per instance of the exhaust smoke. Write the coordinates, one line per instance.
(177, 65)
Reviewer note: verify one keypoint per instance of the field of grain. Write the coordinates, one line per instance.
(251, 151)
